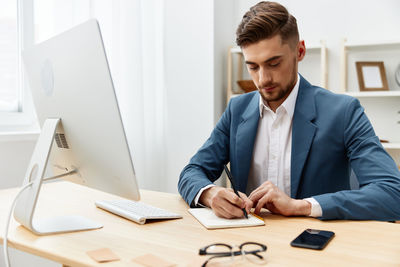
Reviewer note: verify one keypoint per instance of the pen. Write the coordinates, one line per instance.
(234, 189)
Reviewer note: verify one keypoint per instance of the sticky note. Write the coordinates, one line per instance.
(150, 260)
(103, 255)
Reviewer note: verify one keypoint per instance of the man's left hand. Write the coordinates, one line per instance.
(269, 196)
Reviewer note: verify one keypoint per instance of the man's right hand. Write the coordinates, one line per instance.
(225, 203)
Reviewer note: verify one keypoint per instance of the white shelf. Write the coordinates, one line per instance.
(374, 94)
(374, 44)
(391, 145)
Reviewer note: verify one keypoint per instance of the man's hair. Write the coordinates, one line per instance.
(264, 21)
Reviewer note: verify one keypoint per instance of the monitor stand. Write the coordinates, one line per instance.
(26, 203)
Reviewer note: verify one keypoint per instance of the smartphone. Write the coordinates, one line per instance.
(312, 238)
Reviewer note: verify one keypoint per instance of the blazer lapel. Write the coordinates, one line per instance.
(245, 138)
(303, 132)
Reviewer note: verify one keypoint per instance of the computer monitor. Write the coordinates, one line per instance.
(76, 106)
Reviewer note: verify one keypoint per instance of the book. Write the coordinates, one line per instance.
(209, 220)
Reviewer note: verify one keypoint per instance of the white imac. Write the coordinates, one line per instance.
(77, 108)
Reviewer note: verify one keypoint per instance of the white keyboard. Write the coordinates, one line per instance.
(135, 211)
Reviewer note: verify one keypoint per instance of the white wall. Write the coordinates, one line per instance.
(189, 81)
(224, 37)
(198, 35)
(15, 153)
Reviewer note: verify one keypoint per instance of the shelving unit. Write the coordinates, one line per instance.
(372, 44)
(374, 94)
(382, 107)
(387, 51)
(236, 65)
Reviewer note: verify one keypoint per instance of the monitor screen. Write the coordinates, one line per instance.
(70, 79)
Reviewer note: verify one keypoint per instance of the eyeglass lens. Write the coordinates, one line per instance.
(253, 253)
(225, 253)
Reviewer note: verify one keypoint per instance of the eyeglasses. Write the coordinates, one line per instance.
(248, 251)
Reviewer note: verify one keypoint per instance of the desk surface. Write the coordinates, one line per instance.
(356, 242)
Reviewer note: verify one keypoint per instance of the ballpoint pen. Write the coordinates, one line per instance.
(234, 189)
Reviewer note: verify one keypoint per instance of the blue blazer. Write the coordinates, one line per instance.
(330, 136)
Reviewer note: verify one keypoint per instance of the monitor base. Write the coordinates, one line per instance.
(27, 201)
(63, 224)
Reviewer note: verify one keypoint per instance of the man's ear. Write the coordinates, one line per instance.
(301, 50)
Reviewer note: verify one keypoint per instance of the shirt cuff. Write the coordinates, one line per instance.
(196, 199)
(316, 210)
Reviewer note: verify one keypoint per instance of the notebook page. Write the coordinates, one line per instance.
(211, 221)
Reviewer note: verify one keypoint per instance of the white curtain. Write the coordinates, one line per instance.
(133, 34)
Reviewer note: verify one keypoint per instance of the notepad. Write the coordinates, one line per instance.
(211, 221)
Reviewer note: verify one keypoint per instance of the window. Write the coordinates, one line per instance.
(16, 32)
(10, 94)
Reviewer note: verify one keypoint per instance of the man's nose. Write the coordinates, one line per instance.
(265, 78)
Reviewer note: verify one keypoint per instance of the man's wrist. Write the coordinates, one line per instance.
(196, 200)
(303, 207)
(206, 196)
(316, 210)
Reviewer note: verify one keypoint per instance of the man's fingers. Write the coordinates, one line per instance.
(262, 202)
(258, 195)
(227, 204)
(260, 191)
(217, 205)
(257, 190)
(220, 212)
(254, 192)
(233, 210)
(225, 209)
(233, 198)
(248, 204)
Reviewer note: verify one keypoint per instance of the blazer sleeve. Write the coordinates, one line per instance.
(206, 165)
(379, 195)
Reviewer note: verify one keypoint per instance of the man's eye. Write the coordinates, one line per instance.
(253, 67)
(274, 64)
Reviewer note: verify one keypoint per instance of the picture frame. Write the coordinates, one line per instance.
(371, 76)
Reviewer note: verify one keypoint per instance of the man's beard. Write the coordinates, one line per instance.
(280, 93)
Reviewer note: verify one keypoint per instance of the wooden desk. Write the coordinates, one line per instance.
(366, 243)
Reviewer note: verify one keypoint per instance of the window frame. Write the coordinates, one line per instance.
(23, 120)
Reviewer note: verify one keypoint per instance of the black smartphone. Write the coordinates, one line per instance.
(312, 238)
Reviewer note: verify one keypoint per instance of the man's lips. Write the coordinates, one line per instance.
(268, 89)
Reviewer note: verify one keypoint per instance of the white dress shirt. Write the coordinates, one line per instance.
(273, 148)
(273, 145)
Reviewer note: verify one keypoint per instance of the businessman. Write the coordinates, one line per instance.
(291, 145)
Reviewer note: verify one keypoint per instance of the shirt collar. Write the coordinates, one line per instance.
(289, 103)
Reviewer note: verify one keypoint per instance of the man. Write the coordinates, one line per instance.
(291, 145)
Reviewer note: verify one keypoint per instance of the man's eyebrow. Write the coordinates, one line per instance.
(266, 61)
